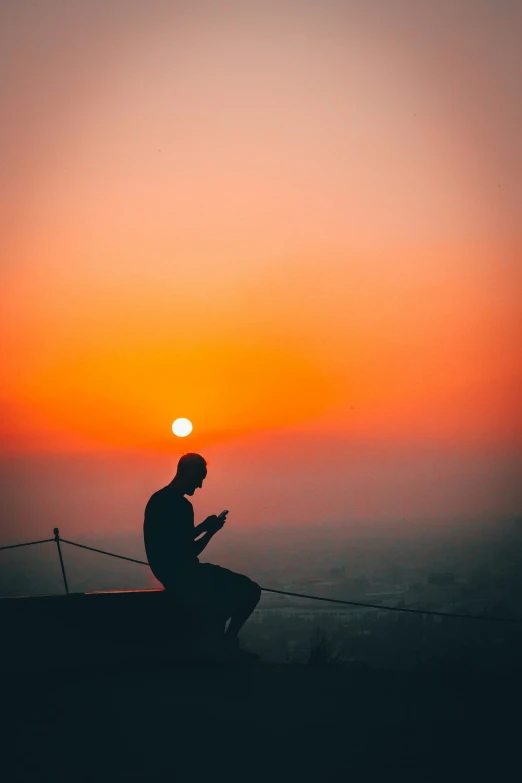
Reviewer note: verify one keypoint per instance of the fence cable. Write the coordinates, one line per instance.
(333, 600)
(28, 543)
(399, 608)
(103, 552)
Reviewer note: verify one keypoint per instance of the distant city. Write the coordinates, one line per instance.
(476, 572)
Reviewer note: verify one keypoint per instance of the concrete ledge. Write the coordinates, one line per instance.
(139, 616)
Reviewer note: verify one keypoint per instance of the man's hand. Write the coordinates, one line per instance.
(212, 524)
(209, 526)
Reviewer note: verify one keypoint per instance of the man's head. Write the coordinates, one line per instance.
(191, 472)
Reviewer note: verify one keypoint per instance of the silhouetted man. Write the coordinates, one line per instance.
(206, 590)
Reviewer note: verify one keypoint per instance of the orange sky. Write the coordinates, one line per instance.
(263, 217)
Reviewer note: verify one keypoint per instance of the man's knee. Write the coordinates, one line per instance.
(255, 593)
(249, 595)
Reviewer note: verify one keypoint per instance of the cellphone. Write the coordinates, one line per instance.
(223, 514)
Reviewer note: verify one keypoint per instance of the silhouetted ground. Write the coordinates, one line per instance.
(147, 721)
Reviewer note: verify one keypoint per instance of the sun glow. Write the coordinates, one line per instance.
(182, 427)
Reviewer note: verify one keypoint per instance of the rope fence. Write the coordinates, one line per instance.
(461, 616)
(103, 552)
(28, 543)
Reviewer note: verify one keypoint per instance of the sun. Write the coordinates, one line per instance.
(182, 427)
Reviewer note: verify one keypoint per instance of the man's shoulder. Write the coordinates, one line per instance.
(166, 498)
(157, 499)
(158, 495)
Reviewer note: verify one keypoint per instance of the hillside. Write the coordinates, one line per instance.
(152, 721)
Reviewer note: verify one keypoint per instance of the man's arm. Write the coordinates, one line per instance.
(208, 524)
(199, 529)
(211, 525)
(201, 543)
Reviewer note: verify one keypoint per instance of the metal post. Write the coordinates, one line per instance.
(57, 539)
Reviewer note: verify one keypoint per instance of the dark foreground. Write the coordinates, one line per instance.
(147, 721)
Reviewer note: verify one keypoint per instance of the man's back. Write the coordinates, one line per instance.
(168, 531)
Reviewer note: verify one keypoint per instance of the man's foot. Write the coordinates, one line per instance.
(248, 657)
(238, 653)
(222, 649)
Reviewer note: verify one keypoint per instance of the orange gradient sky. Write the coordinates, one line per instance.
(266, 216)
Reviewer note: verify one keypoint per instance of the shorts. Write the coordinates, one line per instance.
(211, 589)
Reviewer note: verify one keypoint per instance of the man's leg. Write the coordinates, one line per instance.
(241, 616)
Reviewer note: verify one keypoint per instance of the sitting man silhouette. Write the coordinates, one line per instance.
(210, 593)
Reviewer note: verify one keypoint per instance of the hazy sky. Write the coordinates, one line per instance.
(294, 223)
